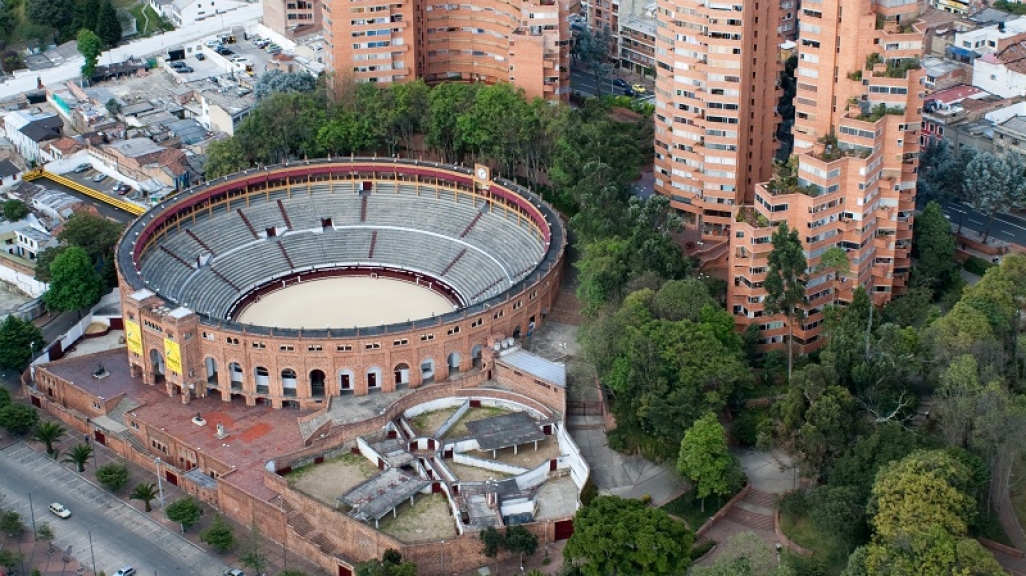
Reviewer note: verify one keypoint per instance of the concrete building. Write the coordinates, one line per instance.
(993, 38)
(851, 183)
(637, 38)
(30, 132)
(185, 12)
(292, 18)
(942, 73)
(525, 42)
(716, 93)
(10, 174)
(1002, 73)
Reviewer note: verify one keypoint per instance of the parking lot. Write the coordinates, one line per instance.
(215, 64)
(120, 534)
(90, 179)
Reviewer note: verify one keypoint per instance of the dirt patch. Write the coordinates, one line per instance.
(475, 474)
(97, 328)
(327, 481)
(480, 413)
(527, 457)
(425, 424)
(427, 520)
(253, 432)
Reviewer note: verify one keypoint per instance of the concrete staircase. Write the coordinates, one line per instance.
(754, 511)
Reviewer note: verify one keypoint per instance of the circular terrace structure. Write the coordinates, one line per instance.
(291, 284)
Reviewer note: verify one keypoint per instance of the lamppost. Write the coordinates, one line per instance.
(160, 483)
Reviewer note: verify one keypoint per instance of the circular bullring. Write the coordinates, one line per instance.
(377, 266)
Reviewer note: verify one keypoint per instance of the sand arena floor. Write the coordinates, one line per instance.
(345, 303)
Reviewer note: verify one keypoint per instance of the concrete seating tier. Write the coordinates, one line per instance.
(416, 229)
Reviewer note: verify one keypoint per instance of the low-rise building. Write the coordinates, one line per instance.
(942, 73)
(292, 18)
(637, 43)
(1002, 73)
(993, 38)
(9, 173)
(29, 132)
(185, 12)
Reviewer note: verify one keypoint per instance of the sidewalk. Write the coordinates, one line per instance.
(277, 558)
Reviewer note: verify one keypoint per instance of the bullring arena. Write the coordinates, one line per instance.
(331, 350)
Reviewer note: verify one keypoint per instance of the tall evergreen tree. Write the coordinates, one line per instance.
(935, 250)
(108, 27)
(785, 290)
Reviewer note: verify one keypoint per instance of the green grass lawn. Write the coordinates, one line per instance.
(148, 24)
(689, 508)
(802, 532)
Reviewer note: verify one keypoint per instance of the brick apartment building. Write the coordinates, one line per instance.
(716, 91)
(524, 42)
(858, 114)
(293, 18)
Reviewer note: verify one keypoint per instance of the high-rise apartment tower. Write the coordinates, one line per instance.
(524, 42)
(852, 181)
(718, 66)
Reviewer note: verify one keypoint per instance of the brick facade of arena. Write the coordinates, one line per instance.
(226, 359)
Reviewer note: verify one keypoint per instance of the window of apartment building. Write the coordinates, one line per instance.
(286, 348)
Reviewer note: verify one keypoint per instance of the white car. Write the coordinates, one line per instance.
(126, 571)
(59, 510)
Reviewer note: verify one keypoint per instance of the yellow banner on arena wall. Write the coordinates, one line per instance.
(133, 336)
(173, 354)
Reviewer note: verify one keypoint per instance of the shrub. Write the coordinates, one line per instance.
(113, 476)
(701, 549)
(977, 266)
(746, 425)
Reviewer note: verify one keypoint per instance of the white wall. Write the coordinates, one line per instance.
(488, 464)
(23, 282)
(998, 79)
(579, 470)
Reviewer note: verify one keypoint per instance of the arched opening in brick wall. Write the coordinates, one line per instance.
(401, 372)
(475, 355)
(346, 380)
(453, 361)
(427, 371)
(157, 365)
(211, 366)
(317, 378)
(235, 375)
(289, 382)
(263, 380)
(373, 378)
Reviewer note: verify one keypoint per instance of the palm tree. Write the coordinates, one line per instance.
(49, 433)
(79, 455)
(145, 492)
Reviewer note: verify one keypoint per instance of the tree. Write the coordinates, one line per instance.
(993, 184)
(108, 27)
(279, 82)
(252, 555)
(446, 103)
(617, 536)
(185, 511)
(10, 558)
(11, 524)
(19, 340)
(48, 433)
(492, 542)
(89, 45)
(45, 533)
(75, 284)
(593, 47)
(44, 258)
(936, 267)
(97, 236)
(79, 456)
(52, 13)
(391, 564)
(147, 493)
(520, 541)
(785, 288)
(224, 157)
(921, 509)
(86, 15)
(15, 210)
(18, 418)
(113, 476)
(705, 459)
(219, 535)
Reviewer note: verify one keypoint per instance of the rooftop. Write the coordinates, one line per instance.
(381, 494)
(956, 94)
(7, 168)
(547, 370)
(1015, 125)
(256, 434)
(136, 147)
(504, 431)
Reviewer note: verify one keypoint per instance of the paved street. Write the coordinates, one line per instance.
(1005, 227)
(120, 534)
(25, 80)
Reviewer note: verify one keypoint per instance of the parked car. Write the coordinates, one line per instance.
(620, 82)
(629, 92)
(224, 51)
(234, 572)
(200, 56)
(126, 571)
(638, 88)
(125, 189)
(176, 64)
(59, 510)
(99, 177)
(83, 168)
(185, 70)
